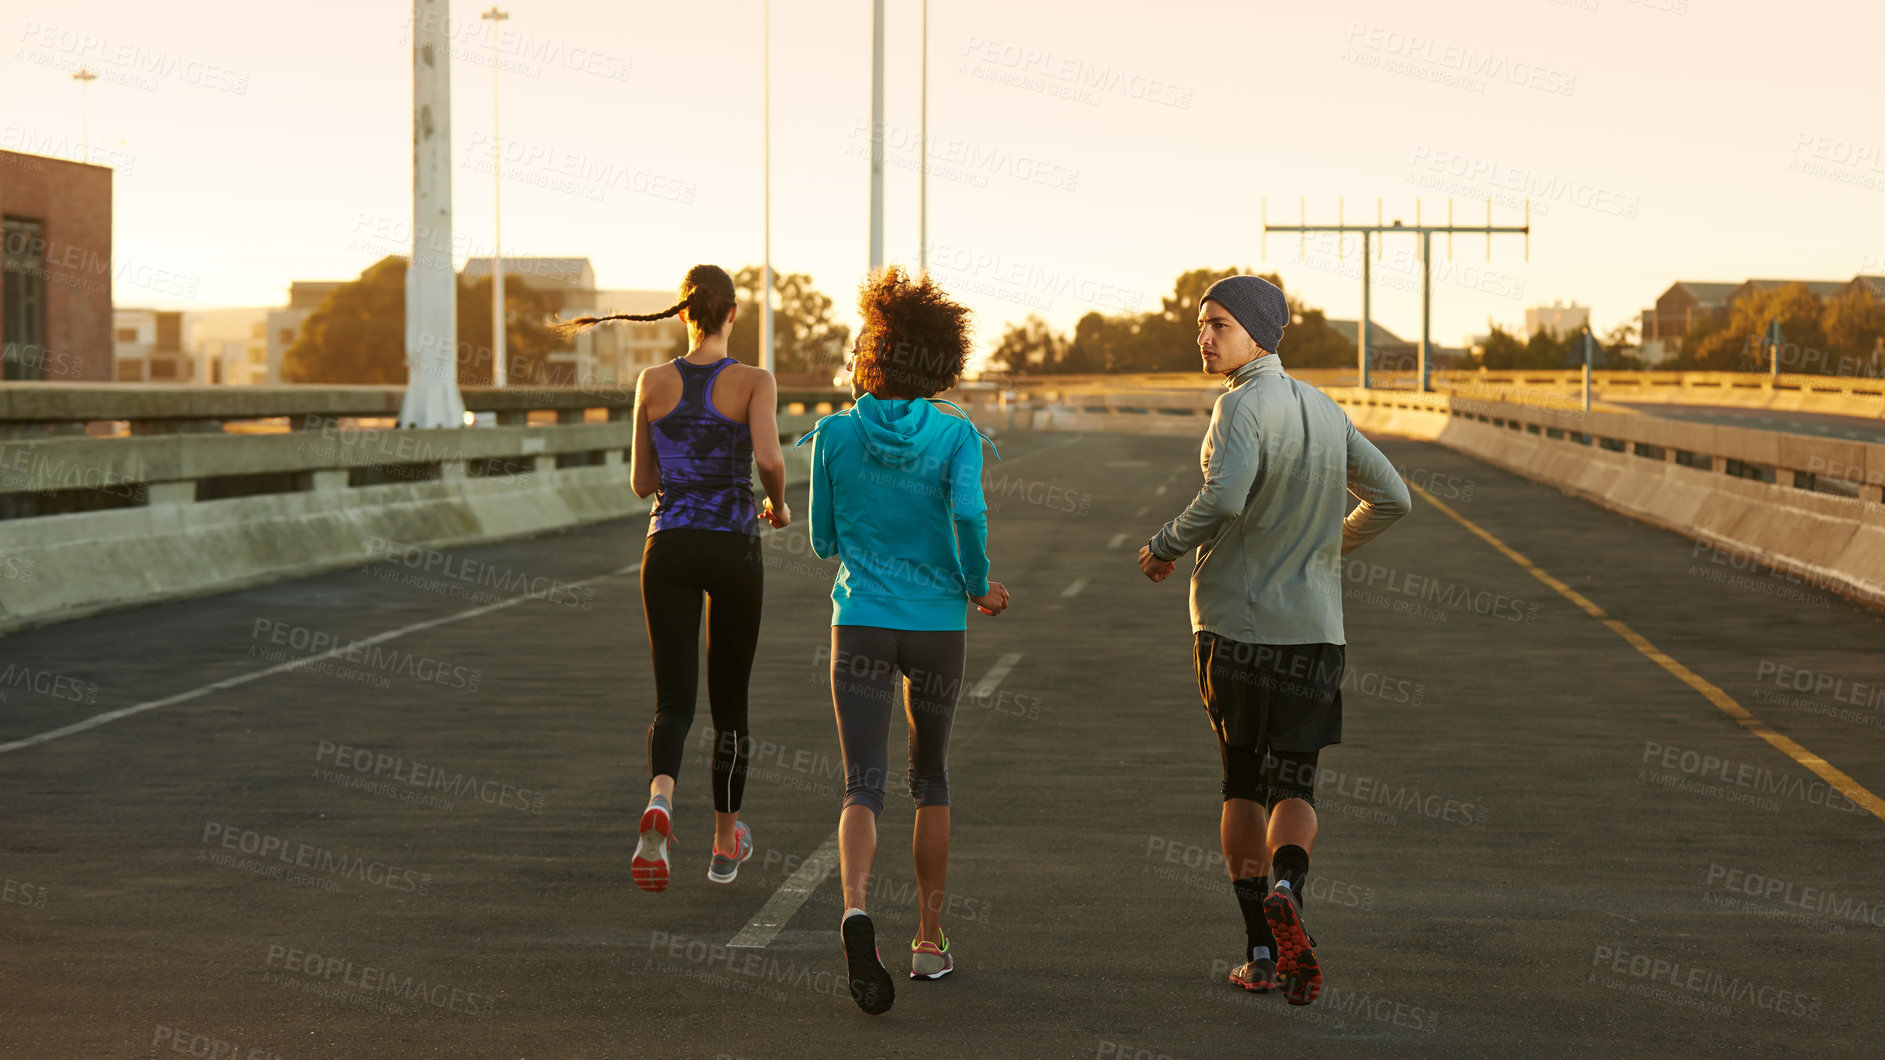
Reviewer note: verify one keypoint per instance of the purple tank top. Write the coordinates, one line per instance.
(706, 460)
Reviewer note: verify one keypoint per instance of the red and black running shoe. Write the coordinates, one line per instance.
(1297, 971)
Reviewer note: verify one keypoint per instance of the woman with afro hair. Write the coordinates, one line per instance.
(897, 496)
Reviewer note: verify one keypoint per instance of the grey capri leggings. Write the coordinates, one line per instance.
(865, 665)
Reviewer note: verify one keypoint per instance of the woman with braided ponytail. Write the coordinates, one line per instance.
(701, 423)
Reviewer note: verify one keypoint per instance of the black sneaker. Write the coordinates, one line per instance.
(1297, 971)
(871, 986)
(1258, 975)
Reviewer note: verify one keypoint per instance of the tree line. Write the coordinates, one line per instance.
(1549, 348)
(1842, 335)
(1161, 340)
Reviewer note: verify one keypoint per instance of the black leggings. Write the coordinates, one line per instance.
(677, 567)
(873, 671)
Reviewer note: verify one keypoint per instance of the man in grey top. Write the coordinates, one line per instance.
(1271, 526)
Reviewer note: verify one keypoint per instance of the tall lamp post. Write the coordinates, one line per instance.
(498, 322)
(85, 77)
(922, 162)
(765, 292)
(877, 136)
(432, 398)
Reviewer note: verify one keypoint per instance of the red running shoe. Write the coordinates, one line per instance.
(1297, 970)
(650, 867)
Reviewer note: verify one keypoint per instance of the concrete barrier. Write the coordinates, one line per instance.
(1655, 471)
(1809, 507)
(98, 524)
(68, 566)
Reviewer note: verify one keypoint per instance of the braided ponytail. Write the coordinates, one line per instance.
(707, 298)
(567, 328)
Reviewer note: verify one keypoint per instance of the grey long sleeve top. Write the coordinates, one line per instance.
(1271, 523)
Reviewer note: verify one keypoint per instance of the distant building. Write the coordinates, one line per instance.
(147, 347)
(55, 269)
(1686, 304)
(228, 345)
(1872, 285)
(1559, 317)
(283, 323)
(153, 346)
(209, 347)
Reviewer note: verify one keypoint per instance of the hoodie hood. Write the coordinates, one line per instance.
(894, 432)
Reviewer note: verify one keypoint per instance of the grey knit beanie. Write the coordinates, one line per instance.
(1257, 304)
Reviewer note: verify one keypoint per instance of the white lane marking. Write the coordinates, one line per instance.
(1074, 589)
(779, 909)
(791, 895)
(242, 679)
(1160, 492)
(1118, 540)
(996, 674)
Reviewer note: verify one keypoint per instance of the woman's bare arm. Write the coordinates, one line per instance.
(763, 416)
(644, 469)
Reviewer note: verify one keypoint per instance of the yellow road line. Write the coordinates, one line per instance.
(1847, 786)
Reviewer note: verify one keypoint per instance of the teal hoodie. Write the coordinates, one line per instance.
(897, 497)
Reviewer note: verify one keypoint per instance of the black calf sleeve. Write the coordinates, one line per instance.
(1291, 775)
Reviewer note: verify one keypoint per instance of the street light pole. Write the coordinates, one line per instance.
(1588, 343)
(85, 77)
(1361, 329)
(1426, 304)
(432, 397)
(765, 294)
(922, 162)
(878, 141)
(498, 322)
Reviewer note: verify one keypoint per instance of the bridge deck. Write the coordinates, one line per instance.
(1538, 835)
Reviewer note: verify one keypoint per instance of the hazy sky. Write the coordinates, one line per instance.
(1082, 154)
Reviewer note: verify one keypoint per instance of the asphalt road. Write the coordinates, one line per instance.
(1537, 840)
(1848, 428)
